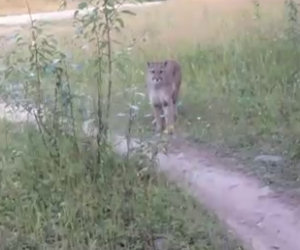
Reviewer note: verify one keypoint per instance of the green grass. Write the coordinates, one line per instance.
(246, 97)
(46, 207)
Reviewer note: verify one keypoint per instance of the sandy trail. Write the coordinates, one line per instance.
(22, 19)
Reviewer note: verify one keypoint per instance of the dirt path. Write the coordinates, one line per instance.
(13, 20)
(251, 210)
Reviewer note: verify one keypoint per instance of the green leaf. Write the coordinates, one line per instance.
(128, 12)
(121, 22)
(82, 5)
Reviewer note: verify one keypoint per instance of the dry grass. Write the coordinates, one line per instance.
(178, 23)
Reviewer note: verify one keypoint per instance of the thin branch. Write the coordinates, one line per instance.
(109, 58)
(37, 66)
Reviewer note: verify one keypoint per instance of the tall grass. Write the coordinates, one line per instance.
(44, 206)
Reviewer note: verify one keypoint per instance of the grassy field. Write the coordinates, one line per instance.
(240, 92)
(240, 86)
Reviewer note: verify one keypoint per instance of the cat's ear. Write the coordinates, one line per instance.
(148, 64)
(165, 63)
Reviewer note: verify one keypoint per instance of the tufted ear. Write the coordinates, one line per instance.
(165, 63)
(148, 64)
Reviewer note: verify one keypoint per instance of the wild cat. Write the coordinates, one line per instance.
(163, 84)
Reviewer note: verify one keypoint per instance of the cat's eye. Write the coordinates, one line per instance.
(160, 72)
(152, 71)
